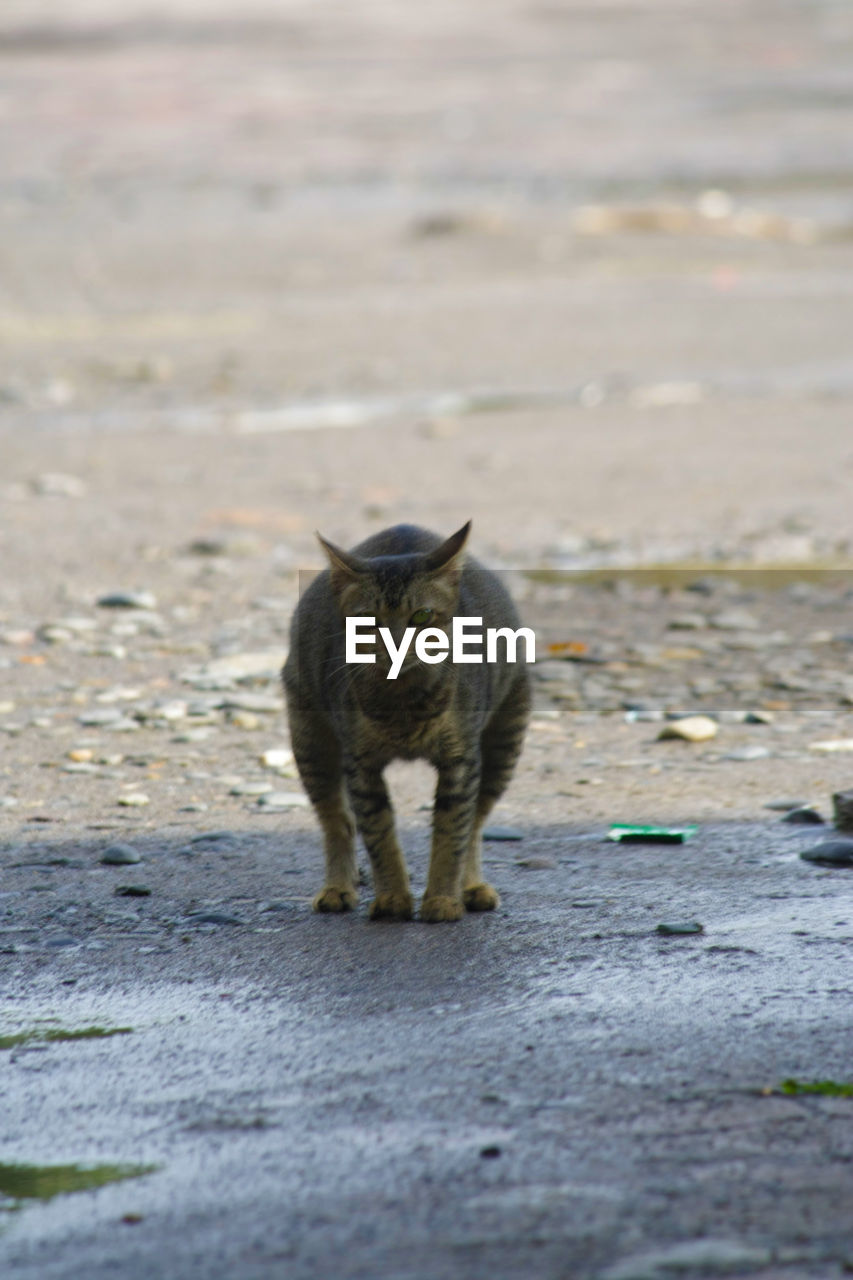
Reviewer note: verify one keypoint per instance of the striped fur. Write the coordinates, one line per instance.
(348, 721)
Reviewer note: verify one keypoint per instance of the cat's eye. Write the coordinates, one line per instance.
(421, 617)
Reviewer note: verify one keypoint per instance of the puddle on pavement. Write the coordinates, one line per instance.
(41, 1035)
(44, 1181)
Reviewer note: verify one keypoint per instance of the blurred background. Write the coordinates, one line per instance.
(581, 270)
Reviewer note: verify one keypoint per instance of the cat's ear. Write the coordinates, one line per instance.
(448, 556)
(344, 565)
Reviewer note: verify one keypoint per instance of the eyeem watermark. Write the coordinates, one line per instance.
(434, 645)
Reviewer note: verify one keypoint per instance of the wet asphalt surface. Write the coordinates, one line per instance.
(553, 1090)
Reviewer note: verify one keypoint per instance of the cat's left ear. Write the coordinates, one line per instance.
(449, 555)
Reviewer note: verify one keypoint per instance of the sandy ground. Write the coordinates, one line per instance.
(580, 273)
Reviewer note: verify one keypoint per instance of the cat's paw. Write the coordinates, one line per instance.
(392, 906)
(331, 898)
(481, 897)
(436, 909)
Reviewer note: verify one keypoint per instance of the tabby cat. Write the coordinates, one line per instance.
(348, 721)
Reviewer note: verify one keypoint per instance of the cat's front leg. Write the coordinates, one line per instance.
(375, 820)
(453, 826)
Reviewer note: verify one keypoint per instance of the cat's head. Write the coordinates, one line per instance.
(417, 590)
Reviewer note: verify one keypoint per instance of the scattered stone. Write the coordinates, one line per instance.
(759, 717)
(207, 547)
(283, 800)
(498, 833)
(690, 729)
(133, 800)
(747, 753)
(133, 891)
(96, 719)
(261, 702)
(536, 864)
(81, 755)
(679, 929)
(687, 622)
(53, 633)
(214, 917)
(832, 745)
(277, 758)
(120, 855)
(842, 810)
(710, 1256)
(785, 806)
(127, 600)
(55, 484)
(213, 837)
(8, 802)
(193, 735)
(16, 636)
(643, 715)
(734, 620)
(219, 673)
(830, 853)
(82, 767)
(169, 710)
(803, 815)
(246, 720)
(251, 789)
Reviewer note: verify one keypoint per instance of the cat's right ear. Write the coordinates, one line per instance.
(345, 567)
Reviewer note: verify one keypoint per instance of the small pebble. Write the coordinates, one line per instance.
(690, 729)
(734, 620)
(785, 806)
(246, 720)
(277, 758)
(251, 789)
(687, 622)
(127, 600)
(133, 891)
(283, 800)
(56, 484)
(536, 864)
(832, 745)
(96, 719)
(261, 702)
(214, 917)
(81, 755)
(803, 815)
(133, 800)
(747, 753)
(120, 855)
(678, 929)
(497, 833)
(830, 853)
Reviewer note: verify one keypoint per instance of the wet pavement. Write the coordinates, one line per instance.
(554, 1090)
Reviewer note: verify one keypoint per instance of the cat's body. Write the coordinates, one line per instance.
(349, 721)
